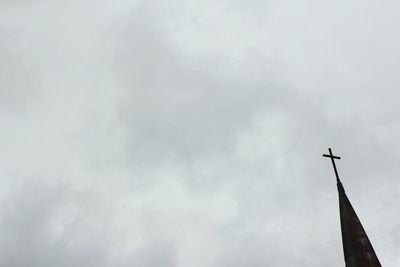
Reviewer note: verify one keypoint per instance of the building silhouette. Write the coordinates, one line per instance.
(358, 250)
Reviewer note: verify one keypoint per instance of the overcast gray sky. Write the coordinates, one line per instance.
(191, 133)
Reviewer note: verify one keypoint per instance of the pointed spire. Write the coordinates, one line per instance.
(358, 250)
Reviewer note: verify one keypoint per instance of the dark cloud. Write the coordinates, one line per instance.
(183, 107)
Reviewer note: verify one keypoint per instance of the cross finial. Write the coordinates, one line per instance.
(332, 157)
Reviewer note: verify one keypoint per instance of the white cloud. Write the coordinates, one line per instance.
(191, 133)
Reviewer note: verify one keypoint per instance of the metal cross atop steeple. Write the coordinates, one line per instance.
(333, 162)
(358, 250)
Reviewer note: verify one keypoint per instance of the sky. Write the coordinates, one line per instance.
(191, 133)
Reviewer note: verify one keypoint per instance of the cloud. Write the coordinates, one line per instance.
(191, 133)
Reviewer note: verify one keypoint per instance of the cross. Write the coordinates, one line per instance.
(333, 162)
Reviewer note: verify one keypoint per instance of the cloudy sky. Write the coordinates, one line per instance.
(190, 133)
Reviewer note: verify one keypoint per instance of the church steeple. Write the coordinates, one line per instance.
(358, 250)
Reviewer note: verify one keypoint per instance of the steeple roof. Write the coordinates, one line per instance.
(358, 250)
